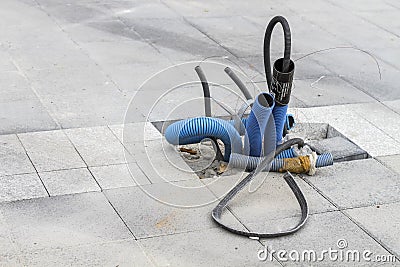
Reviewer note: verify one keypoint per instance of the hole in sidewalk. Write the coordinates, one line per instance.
(321, 137)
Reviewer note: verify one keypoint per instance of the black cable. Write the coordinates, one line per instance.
(267, 47)
(217, 211)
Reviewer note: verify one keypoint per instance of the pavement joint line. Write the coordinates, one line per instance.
(370, 205)
(390, 4)
(16, 174)
(119, 215)
(33, 165)
(363, 118)
(115, 210)
(132, 29)
(367, 93)
(63, 169)
(83, 160)
(385, 164)
(126, 161)
(380, 242)
(376, 126)
(352, 220)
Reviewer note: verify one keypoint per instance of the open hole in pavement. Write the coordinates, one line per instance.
(321, 137)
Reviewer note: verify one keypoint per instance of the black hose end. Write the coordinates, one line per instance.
(282, 81)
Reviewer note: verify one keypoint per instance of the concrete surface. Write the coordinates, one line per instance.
(87, 180)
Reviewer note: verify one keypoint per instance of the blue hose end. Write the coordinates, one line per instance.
(290, 123)
(324, 160)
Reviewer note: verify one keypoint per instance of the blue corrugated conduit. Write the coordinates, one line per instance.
(257, 122)
(289, 153)
(194, 130)
(243, 161)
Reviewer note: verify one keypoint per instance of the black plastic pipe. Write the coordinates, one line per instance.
(207, 108)
(206, 91)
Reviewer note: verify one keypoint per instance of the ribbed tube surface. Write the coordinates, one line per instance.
(257, 122)
(194, 130)
(250, 163)
(288, 153)
(323, 160)
(279, 113)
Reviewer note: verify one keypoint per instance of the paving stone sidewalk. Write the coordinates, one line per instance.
(85, 175)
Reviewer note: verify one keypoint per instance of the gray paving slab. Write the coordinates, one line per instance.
(72, 181)
(97, 145)
(62, 221)
(392, 162)
(245, 46)
(341, 149)
(147, 214)
(73, 13)
(227, 26)
(365, 75)
(362, 38)
(115, 53)
(76, 78)
(121, 175)
(381, 222)
(357, 183)
(141, 9)
(323, 232)
(47, 53)
(13, 157)
(129, 77)
(203, 248)
(87, 110)
(136, 132)
(17, 86)
(117, 253)
(207, 9)
(344, 117)
(384, 121)
(21, 186)
(328, 91)
(159, 161)
(51, 150)
(382, 6)
(175, 38)
(100, 30)
(394, 105)
(25, 116)
(6, 63)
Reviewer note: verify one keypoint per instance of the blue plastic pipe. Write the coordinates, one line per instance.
(257, 122)
(251, 163)
(279, 113)
(194, 130)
